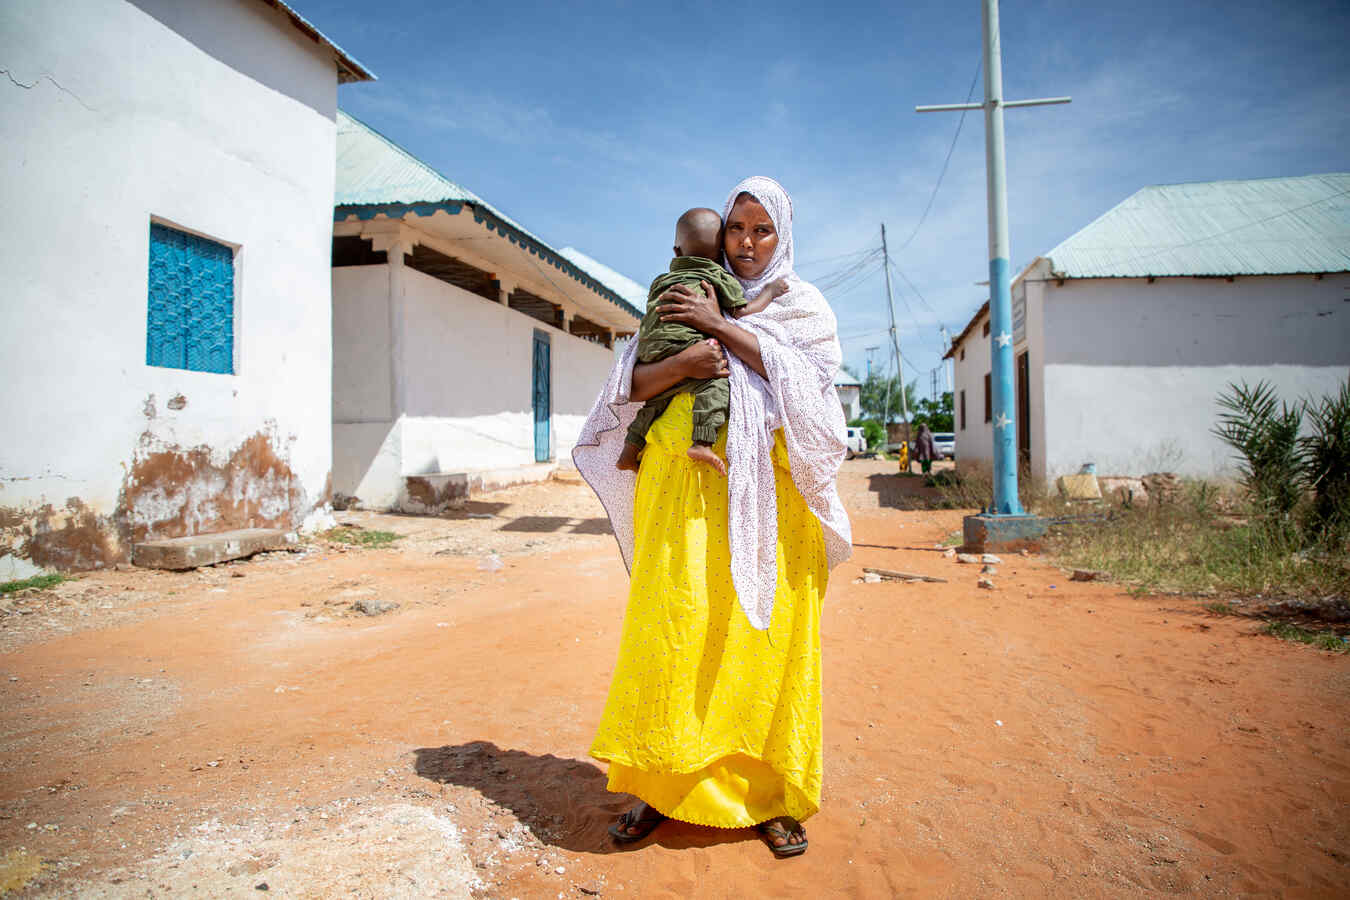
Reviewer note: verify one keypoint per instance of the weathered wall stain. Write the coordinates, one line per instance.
(425, 495)
(168, 491)
(75, 537)
(173, 492)
(69, 537)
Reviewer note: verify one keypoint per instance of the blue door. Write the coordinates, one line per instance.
(542, 395)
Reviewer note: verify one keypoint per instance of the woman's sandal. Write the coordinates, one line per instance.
(642, 817)
(775, 829)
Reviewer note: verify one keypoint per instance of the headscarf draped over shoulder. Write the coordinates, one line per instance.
(799, 345)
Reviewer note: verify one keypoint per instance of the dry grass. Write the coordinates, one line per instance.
(1192, 546)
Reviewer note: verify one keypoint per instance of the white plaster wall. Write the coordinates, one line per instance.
(1134, 369)
(467, 371)
(361, 345)
(850, 398)
(974, 443)
(1034, 345)
(580, 370)
(122, 119)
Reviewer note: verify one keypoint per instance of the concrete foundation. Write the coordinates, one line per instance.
(209, 549)
(992, 533)
(436, 493)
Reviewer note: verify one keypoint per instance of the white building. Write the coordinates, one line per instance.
(1126, 333)
(465, 349)
(850, 395)
(164, 333)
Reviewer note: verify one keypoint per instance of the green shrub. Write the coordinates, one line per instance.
(1266, 440)
(1325, 456)
(873, 433)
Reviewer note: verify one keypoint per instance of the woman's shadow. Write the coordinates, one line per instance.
(563, 801)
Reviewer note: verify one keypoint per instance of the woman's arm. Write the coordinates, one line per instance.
(705, 359)
(700, 310)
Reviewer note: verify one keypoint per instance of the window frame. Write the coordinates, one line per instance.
(236, 277)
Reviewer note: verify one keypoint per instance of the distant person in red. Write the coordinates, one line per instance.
(924, 450)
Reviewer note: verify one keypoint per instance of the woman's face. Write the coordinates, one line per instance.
(750, 238)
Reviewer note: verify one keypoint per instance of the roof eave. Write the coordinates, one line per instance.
(348, 68)
(492, 222)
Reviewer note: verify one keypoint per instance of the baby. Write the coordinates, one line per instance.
(698, 247)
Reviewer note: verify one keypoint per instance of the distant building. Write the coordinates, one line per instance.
(850, 395)
(165, 328)
(1125, 334)
(466, 350)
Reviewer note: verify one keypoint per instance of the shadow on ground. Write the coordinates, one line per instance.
(558, 523)
(900, 491)
(563, 801)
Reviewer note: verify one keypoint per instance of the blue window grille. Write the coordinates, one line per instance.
(191, 309)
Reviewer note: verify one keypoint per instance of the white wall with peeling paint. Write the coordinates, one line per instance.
(462, 377)
(111, 118)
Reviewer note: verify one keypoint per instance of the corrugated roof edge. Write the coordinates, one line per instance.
(484, 214)
(1216, 272)
(951, 351)
(622, 285)
(349, 69)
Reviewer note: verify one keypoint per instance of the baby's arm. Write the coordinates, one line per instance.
(771, 292)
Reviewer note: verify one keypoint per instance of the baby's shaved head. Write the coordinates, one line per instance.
(699, 233)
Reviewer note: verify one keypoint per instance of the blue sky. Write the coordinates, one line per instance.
(596, 124)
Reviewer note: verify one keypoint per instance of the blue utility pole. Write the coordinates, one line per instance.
(1006, 502)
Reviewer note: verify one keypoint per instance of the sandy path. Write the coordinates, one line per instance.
(213, 733)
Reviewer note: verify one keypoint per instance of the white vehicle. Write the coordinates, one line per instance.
(944, 444)
(855, 444)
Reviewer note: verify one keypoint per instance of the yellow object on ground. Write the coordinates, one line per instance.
(1080, 487)
(709, 720)
(904, 457)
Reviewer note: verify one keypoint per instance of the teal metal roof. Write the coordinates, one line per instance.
(622, 285)
(843, 379)
(375, 175)
(1268, 226)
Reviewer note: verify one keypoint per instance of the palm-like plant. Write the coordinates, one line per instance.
(1264, 432)
(1325, 455)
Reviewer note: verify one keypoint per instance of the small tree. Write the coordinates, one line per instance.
(937, 415)
(875, 393)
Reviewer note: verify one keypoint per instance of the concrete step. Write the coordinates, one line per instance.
(209, 549)
(435, 493)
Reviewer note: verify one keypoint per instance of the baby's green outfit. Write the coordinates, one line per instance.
(658, 340)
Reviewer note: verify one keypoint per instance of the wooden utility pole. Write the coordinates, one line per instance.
(895, 339)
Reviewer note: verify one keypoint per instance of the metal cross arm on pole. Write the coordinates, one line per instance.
(949, 107)
(1006, 504)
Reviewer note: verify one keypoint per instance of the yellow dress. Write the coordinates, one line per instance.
(709, 720)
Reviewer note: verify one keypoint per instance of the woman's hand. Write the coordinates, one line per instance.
(706, 359)
(697, 309)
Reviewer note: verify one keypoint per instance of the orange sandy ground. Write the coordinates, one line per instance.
(1044, 738)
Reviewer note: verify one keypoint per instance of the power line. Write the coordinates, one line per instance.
(945, 163)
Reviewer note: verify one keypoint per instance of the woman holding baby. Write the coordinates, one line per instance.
(713, 715)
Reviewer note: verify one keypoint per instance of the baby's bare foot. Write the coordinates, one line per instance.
(704, 454)
(628, 459)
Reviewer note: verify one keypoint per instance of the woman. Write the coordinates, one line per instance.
(713, 715)
(924, 451)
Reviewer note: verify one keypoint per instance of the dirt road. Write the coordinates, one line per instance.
(220, 731)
